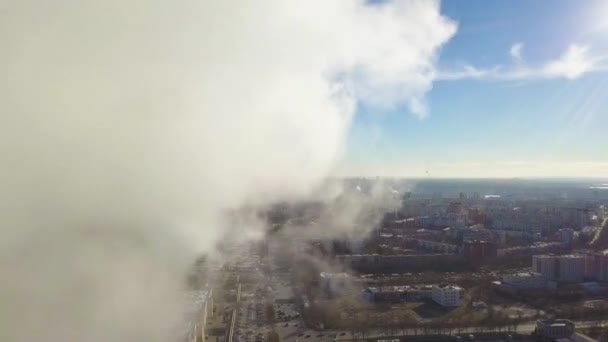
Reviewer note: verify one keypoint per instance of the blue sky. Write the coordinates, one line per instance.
(508, 123)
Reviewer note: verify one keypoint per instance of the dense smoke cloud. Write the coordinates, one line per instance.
(128, 126)
(344, 210)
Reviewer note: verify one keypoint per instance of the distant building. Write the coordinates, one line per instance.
(479, 305)
(369, 294)
(545, 265)
(554, 329)
(477, 233)
(333, 284)
(562, 268)
(596, 265)
(447, 295)
(375, 294)
(566, 235)
(525, 280)
(596, 304)
(479, 250)
(395, 294)
(475, 215)
(534, 249)
(571, 268)
(372, 263)
(594, 288)
(419, 292)
(437, 246)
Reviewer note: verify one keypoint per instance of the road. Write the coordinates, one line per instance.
(301, 334)
(523, 329)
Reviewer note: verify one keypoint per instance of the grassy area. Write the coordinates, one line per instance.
(406, 306)
(431, 310)
(350, 311)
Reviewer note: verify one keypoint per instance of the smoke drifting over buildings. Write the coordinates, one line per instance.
(130, 126)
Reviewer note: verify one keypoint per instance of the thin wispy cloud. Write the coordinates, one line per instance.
(573, 63)
(515, 51)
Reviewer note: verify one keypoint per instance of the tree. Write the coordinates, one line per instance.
(273, 336)
(270, 312)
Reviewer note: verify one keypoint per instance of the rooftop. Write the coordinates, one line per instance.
(334, 275)
(555, 322)
(449, 287)
(527, 274)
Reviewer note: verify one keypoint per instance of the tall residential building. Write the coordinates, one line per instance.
(571, 268)
(596, 265)
(479, 250)
(447, 295)
(563, 268)
(545, 265)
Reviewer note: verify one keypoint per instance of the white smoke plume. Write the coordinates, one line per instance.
(128, 126)
(351, 211)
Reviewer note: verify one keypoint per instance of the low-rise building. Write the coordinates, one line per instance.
(554, 328)
(379, 294)
(397, 293)
(525, 280)
(447, 295)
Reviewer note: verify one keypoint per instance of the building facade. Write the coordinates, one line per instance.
(596, 265)
(447, 295)
(571, 268)
(555, 328)
(525, 280)
(479, 250)
(562, 268)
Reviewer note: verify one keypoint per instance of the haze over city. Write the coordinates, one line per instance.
(213, 171)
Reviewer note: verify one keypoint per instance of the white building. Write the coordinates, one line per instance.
(447, 295)
(566, 268)
(525, 280)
